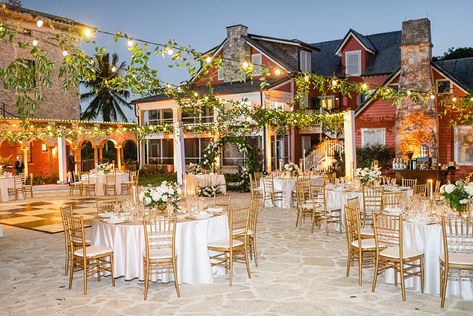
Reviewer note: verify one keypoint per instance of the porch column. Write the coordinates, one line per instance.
(25, 159)
(77, 160)
(100, 153)
(267, 147)
(179, 158)
(50, 157)
(96, 156)
(349, 143)
(61, 157)
(119, 157)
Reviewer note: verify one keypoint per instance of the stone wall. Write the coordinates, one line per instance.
(416, 123)
(59, 104)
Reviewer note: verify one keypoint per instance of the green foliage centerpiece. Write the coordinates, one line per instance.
(458, 195)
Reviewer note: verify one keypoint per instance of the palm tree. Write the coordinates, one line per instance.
(105, 101)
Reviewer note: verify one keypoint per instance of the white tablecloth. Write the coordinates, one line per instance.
(99, 180)
(194, 181)
(192, 238)
(5, 183)
(287, 185)
(337, 197)
(428, 238)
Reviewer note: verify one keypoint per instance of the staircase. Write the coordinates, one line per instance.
(323, 154)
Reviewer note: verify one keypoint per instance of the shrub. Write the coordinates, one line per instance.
(52, 179)
(366, 155)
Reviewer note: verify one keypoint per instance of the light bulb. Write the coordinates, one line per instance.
(432, 97)
(170, 51)
(277, 72)
(195, 94)
(130, 43)
(114, 69)
(87, 32)
(471, 99)
(454, 99)
(334, 82)
(208, 59)
(364, 86)
(64, 53)
(169, 86)
(245, 64)
(35, 42)
(39, 23)
(409, 92)
(306, 78)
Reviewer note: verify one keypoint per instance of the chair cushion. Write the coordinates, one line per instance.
(93, 251)
(162, 253)
(458, 258)
(365, 243)
(225, 243)
(367, 232)
(393, 252)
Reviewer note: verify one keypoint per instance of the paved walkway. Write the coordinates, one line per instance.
(299, 273)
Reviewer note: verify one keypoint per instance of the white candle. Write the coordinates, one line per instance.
(134, 194)
(431, 185)
(303, 161)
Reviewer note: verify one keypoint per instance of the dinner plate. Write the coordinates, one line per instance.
(105, 215)
(215, 209)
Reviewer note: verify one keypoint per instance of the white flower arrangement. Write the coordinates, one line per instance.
(167, 192)
(458, 195)
(292, 168)
(105, 167)
(194, 168)
(209, 191)
(368, 175)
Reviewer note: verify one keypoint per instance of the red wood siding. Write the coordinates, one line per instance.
(379, 114)
(352, 45)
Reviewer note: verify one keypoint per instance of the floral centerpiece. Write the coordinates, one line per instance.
(105, 167)
(208, 191)
(160, 196)
(458, 195)
(194, 168)
(292, 168)
(368, 175)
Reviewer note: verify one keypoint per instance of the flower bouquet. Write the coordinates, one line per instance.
(458, 195)
(105, 167)
(209, 191)
(160, 196)
(292, 168)
(194, 168)
(368, 175)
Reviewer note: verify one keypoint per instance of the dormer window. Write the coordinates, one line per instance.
(257, 61)
(305, 62)
(353, 63)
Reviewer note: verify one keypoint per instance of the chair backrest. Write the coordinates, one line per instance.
(257, 176)
(132, 176)
(409, 182)
(373, 199)
(457, 235)
(111, 178)
(268, 184)
(106, 205)
(77, 234)
(437, 187)
(253, 186)
(353, 202)
(253, 215)
(302, 191)
(18, 182)
(66, 215)
(420, 189)
(317, 195)
(84, 178)
(238, 220)
(224, 200)
(160, 233)
(392, 199)
(388, 231)
(353, 224)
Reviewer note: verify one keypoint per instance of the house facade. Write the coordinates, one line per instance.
(399, 59)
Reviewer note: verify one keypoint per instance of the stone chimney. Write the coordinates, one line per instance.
(416, 123)
(235, 52)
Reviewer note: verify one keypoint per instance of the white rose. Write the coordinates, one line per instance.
(442, 189)
(449, 188)
(464, 201)
(469, 190)
(147, 200)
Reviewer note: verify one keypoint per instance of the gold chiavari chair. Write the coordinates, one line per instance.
(324, 213)
(457, 258)
(255, 190)
(229, 248)
(392, 199)
(257, 176)
(305, 205)
(27, 184)
(437, 187)
(160, 249)
(17, 188)
(372, 203)
(359, 248)
(252, 224)
(106, 205)
(391, 254)
(365, 232)
(127, 186)
(409, 182)
(75, 185)
(420, 190)
(223, 200)
(110, 185)
(89, 259)
(87, 187)
(269, 193)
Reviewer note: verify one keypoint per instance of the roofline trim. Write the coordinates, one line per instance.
(450, 77)
(283, 41)
(262, 50)
(345, 39)
(215, 50)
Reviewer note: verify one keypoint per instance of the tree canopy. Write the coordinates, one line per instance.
(455, 53)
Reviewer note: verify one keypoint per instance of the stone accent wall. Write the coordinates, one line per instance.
(288, 53)
(416, 123)
(235, 52)
(59, 104)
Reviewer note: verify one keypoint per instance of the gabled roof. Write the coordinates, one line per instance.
(363, 40)
(386, 60)
(221, 89)
(460, 71)
(282, 40)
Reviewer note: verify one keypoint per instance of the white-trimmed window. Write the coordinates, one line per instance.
(257, 61)
(353, 63)
(443, 86)
(220, 74)
(305, 61)
(326, 102)
(373, 136)
(463, 151)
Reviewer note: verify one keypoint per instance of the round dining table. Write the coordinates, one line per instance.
(426, 235)
(192, 237)
(100, 179)
(6, 181)
(287, 185)
(194, 181)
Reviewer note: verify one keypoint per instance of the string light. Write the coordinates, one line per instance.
(35, 43)
(334, 83)
(39, 23)
(195, 94)
(306, 78)
(88, 32)
(130, 43)
(364, 86)
(454, 99)
(169, 86)
(432, 97)
(409, 92)
(114, 69)
(64, 53)
(245, 64)
(208, 59)
(277, 72)
(170, 51)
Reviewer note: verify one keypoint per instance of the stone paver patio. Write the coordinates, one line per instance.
(298, 274)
